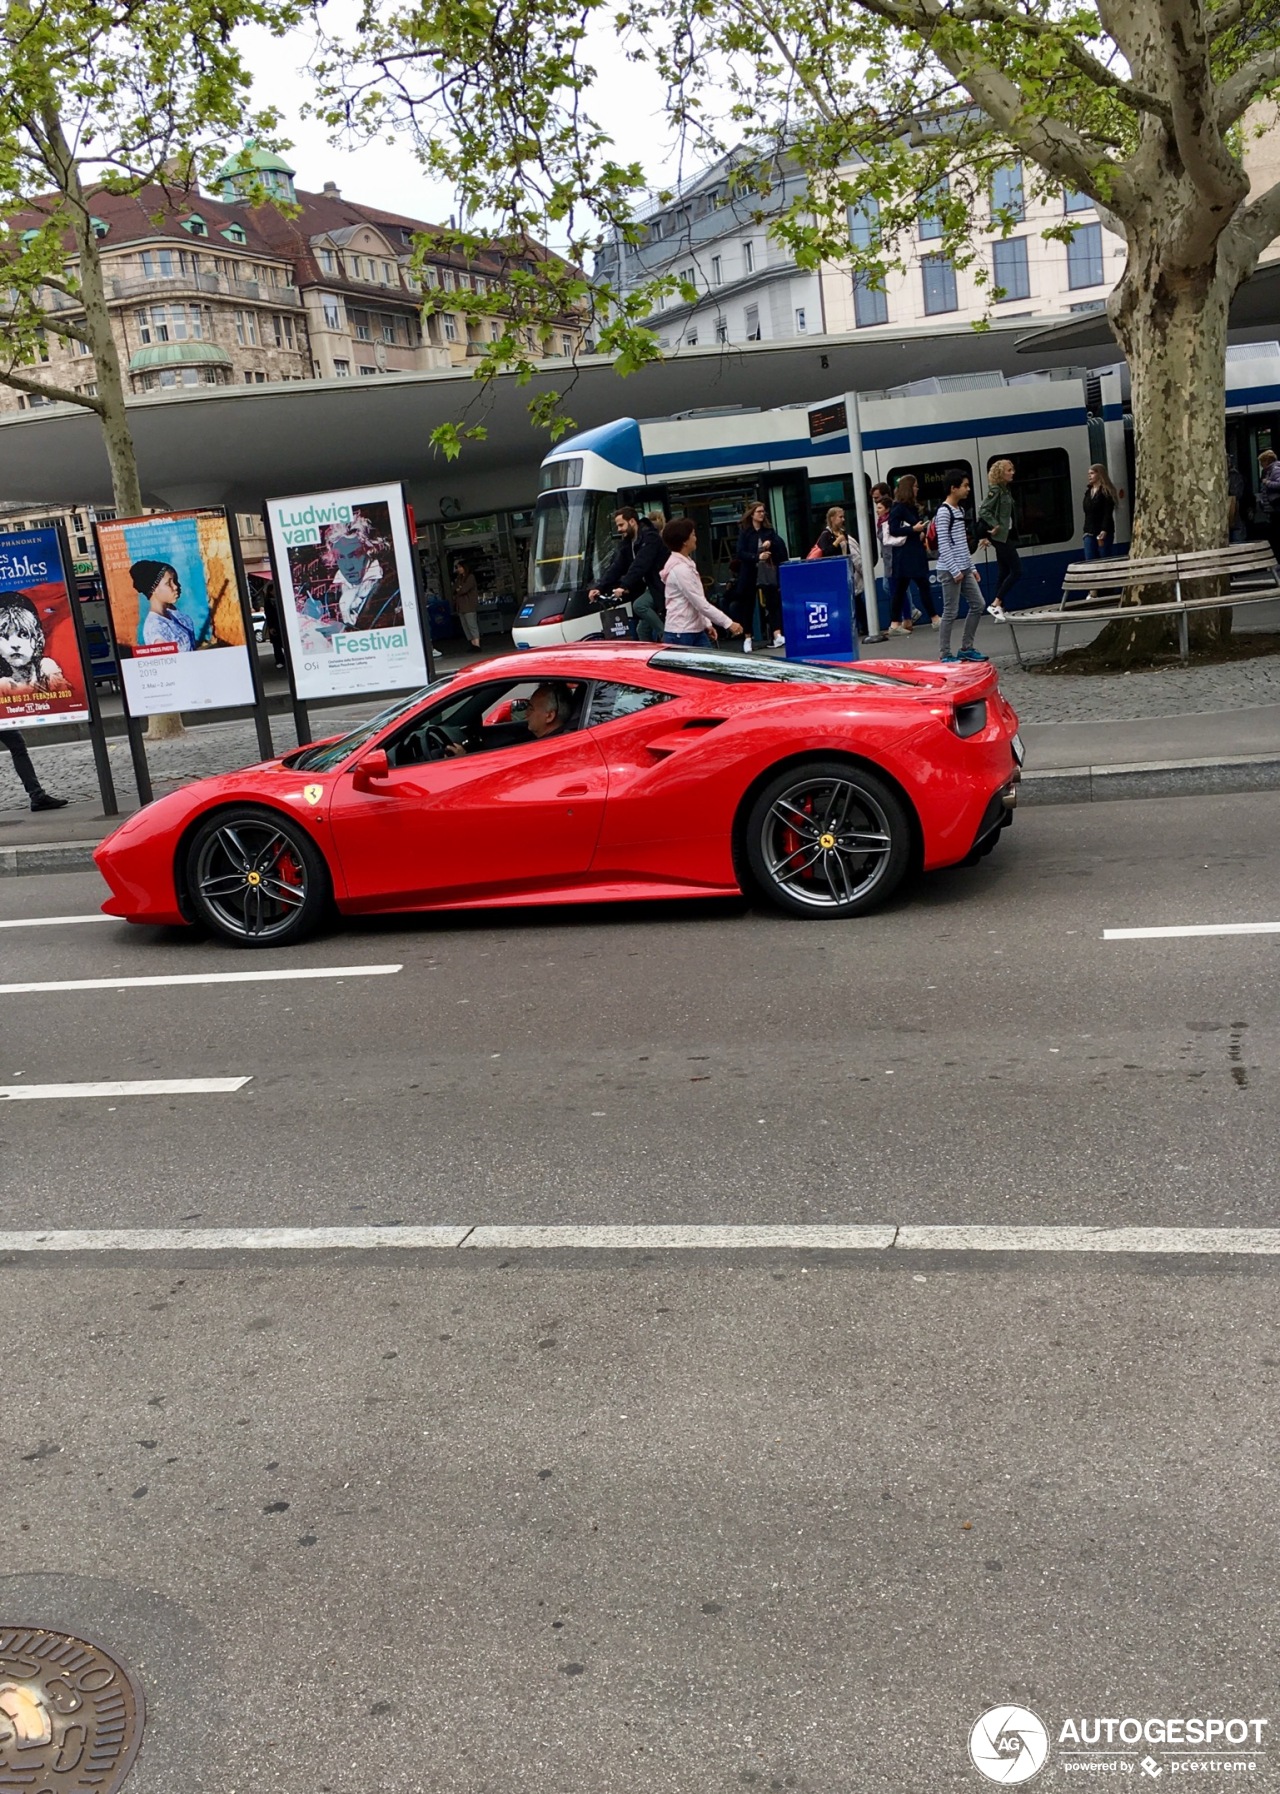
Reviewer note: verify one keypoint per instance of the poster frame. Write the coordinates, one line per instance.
(133, 723)
(302, 707)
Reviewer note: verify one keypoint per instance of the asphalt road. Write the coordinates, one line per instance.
(645, 1521)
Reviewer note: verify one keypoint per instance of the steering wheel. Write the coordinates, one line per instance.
(438, 745)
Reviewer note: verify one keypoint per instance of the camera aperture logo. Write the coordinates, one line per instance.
(1009, 1745)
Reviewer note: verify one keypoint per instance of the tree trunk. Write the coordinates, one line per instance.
(126, 488)
(1172, 326)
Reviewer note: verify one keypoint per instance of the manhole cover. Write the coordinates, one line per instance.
(70, 1715)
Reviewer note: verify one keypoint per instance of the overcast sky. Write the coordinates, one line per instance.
(382, 174)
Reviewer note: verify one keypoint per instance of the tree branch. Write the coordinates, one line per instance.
(62, 394)
(1238, 92)
(1057, 146)
(1259, 221)
(996, 12)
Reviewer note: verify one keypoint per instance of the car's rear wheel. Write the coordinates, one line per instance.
(828, 838)
(256, 878)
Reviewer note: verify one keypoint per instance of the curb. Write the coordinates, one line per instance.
(47, 856)
(1158, 778)
(1069, 785)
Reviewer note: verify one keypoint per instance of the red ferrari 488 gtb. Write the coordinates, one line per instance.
(591, 774)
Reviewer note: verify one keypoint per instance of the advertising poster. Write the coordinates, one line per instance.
(176, 614)
(348, 600)
(42, 677)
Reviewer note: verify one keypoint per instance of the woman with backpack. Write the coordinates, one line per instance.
(910, 558)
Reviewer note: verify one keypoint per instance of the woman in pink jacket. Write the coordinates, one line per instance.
(691, 617)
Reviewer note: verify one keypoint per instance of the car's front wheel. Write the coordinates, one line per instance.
(256, 878)
(828, 838)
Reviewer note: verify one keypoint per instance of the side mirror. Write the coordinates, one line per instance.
(374, 767)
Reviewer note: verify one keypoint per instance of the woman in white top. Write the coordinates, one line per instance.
(691, 617)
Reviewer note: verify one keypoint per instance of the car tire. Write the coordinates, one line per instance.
(828, 839)
(255, 878)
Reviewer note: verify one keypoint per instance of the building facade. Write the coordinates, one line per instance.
(715, 237)
(1024, 275)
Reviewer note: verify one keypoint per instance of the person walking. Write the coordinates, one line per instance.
(955, 563)
(466, 602)
(1000, 520)
(760, 552)
(910, 558)
(692, 619)
(1269, 498)
(635, 571)
(1100, 500)
(834, 539)
(25, 769)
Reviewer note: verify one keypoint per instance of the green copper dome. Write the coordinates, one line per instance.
(251, 168)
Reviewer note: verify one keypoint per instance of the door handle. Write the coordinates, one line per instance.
(574, 790)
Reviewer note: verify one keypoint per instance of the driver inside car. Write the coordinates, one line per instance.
(549, 711)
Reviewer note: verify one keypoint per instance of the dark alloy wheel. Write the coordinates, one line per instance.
(828, 839)
(255, 878)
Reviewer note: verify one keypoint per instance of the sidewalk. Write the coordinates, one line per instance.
(1176, 731)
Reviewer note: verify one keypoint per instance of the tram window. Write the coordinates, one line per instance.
(931, 482)
(1046, 508)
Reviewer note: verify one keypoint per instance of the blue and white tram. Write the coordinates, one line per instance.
(798, 460)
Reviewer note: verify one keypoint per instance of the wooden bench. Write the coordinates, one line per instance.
(1093, 591)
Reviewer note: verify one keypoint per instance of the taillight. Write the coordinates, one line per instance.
(557, 618)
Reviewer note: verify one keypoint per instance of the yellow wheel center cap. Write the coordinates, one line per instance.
(253, 878)
(827, 841)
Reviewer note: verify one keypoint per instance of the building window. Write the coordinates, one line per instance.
(326, 260)
(332, 315)
(1084, 257)
(749, 257)
(930, 226)
(388, 330)
(495, 333)
(363, 333)
(939, 277)
(342, 369)
(1010, 269)
(246, 329)
(752, 321)
(386, 274)
(802, 324)
(90, 390)
(717, 276)
(1076, 202)
(78, 348)
(446, 279)
(283, 332)
(722, 330)
(481, 285)
(251, 378)
(234, 233)
(1086, 305)
(365, 372)
(687, 277)
(431, 277)
(691, 339)
(1008, 201)
(158, 264)
(450, 328)
(870, 303)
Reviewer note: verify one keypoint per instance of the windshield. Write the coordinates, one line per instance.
(572, 540)
(325, 755)
(730, 670)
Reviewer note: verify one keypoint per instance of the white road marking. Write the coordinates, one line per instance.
(54, 921)
(29, 1093)
(229, 1239)
(1226, 1241)
(1253, 1240)
(1175, 934)
(676, 1238)
(263, 977)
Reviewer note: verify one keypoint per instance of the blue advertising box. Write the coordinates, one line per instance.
(817, 609)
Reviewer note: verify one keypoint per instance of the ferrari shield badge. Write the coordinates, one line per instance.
(70, 1716)
(313, 793)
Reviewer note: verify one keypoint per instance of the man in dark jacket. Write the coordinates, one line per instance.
(633, 572)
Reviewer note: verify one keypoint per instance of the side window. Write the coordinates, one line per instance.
(1045, 506)
(609, 702)
(931, 482)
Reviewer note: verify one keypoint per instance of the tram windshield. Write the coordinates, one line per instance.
(572, 539)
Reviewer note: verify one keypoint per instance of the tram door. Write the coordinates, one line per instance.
(716, 508)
